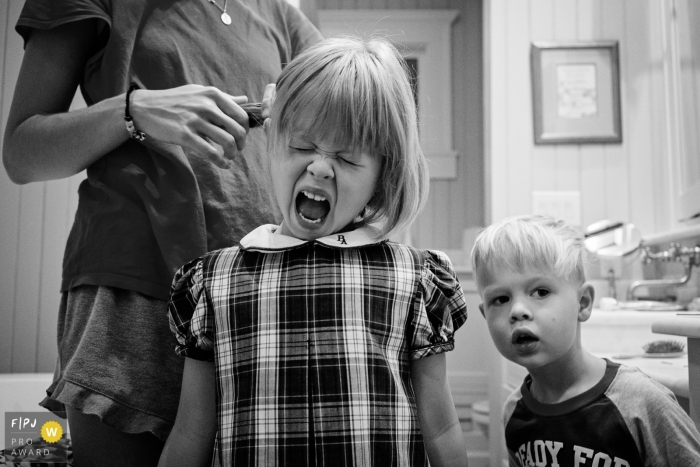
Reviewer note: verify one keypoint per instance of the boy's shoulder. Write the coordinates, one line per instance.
(656, 421)
(634, 390)
(631, 378)
(511, 403)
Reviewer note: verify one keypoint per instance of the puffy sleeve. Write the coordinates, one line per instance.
(190, 313)
(439, 309)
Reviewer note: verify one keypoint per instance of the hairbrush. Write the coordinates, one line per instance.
(660, 349)
(254, 111)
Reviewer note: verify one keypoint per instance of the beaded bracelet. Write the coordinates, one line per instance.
(135, 134)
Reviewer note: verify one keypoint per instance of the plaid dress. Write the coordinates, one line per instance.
(312, 342)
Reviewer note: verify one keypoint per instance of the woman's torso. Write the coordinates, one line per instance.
(146, 209)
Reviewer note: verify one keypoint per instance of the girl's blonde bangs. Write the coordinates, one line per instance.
(349, 111)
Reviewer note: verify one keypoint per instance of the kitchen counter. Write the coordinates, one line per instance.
(621, 331)
(678, 324)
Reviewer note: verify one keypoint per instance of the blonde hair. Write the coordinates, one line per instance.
(531, 241)
(359, 91)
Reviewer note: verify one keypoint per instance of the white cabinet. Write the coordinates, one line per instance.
(682, 72)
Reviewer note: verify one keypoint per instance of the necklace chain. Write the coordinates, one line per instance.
(225, 18)
(223, 10)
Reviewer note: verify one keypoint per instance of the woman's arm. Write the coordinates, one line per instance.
(191, 442)
(43, 141)
(440, 426)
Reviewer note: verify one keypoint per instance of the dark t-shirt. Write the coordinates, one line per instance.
(626, 420)
(148, 208)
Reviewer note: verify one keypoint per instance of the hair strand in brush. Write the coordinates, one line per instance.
(664, 346)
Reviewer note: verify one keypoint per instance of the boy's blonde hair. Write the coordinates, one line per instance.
(531, 241)
(359, 92)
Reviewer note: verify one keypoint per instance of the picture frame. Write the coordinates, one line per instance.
(576, 92)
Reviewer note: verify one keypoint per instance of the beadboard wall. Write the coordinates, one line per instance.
(627, 181)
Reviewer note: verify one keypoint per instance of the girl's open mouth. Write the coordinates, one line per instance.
(312, 207)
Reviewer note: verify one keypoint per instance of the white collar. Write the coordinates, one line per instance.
(268, 237)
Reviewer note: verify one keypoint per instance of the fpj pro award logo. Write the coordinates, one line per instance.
(35, 437)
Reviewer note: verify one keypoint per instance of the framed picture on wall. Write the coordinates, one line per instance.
(576, 92)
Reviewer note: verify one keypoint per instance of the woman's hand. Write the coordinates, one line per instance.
(44, 141)
(203, 119)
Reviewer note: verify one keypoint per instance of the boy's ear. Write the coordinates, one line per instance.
(586, 295)
(481, 308)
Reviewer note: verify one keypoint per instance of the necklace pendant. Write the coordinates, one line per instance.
(225, 18)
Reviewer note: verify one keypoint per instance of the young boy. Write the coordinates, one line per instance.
(573, 409)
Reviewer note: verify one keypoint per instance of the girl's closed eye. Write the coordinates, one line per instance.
(348, 159)
(301, 148)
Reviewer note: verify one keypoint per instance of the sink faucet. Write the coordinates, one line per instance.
(689, 255)
(612, 292)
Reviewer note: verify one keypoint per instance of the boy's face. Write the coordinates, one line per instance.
(533, 316)
(321, 188)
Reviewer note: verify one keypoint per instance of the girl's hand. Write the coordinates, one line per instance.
(203, 119)
(191, 441)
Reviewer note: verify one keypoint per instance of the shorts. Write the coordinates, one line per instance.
(116, 360)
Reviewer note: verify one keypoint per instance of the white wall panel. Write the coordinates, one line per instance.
(517, 94)
(543, 171)
(567, 156)
(639, 99)
(616, 161)
(9, 204)
(619, 181)
(497, 112)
